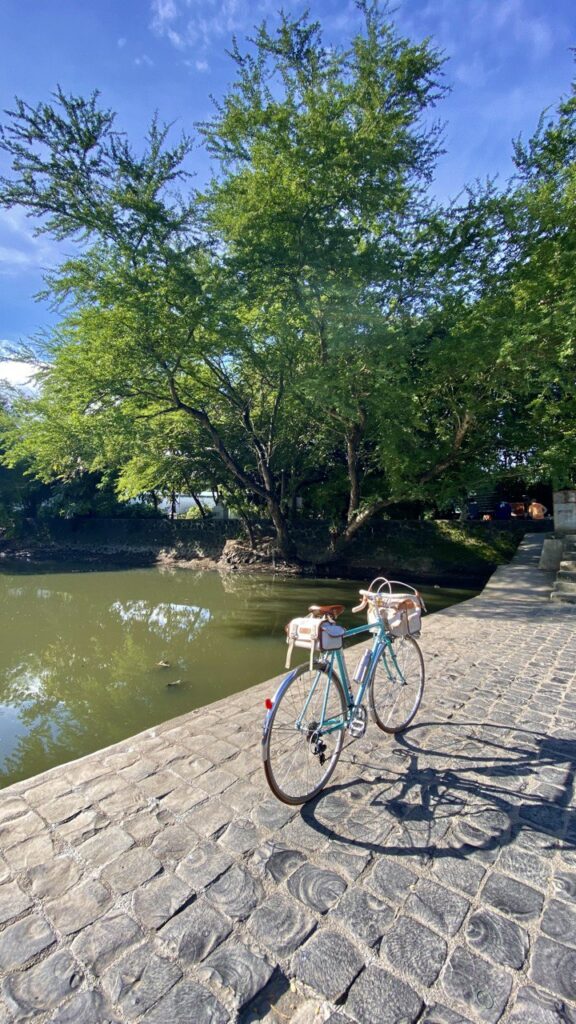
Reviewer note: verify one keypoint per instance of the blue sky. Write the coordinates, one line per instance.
(508, 60)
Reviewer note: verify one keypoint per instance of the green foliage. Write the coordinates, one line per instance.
(311, 330)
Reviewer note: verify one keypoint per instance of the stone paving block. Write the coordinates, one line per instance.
(564, 883)
(348, 862)
(276, 860)
(544, 816)
(130, 870)
(243, 796)
(238, 969)
(13, 901)
(514, 898)
(368, 825)
(159, 899)
(391, 879)
(364, 914)
(220, 750)
(530, 868)
(559, 922)
(182, 799)
(478, 984)
(187, 1001)
(553, 966)
(12, 807)
(437, 906)
(217, 780)
(102, 787)
(173, 844)
(105, 846)
(19, 829)
(37, 850)
(280, 925)
(43, 987)
(85, 1008)
(328, 963)
(54, 878)
(240, 836)
(79, 907)
(236, 893)
(203, 865)
(318, 888)
(498, 938)
(143, 825)
(313, 1011)
(139, 980)
(413, 949)
(21, 941)
(195, 932)
(458, 873)
(139, 769)
(119, 759)
(272, 815)
(534, 1007)
(123, 804)
(159, 783)
(63, 808)
(192, 768)
(303, 835)
(209, 818)
(439, 1014)
(331, 807)
(82, 826)
(377, 997)
(99, 944)
(537, 843)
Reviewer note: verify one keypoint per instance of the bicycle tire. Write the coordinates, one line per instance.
(397, 685)
(297, 762)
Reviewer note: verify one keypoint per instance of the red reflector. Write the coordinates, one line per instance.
(268, 703)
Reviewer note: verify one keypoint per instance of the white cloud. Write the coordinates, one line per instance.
(202, 65)
(121, 43)
(16, 373)
(199, 23)
(144, 61)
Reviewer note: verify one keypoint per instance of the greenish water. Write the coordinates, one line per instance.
(89, 658)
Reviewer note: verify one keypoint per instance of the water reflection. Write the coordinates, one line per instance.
(166, 618)
(89, 658)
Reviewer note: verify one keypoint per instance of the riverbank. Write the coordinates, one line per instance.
(437, 552)
(433, 880)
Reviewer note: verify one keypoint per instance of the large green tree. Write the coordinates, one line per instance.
(266, 314)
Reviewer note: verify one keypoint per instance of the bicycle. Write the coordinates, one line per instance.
(314, 706)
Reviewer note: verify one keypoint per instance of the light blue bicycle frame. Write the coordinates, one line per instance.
(381, 642)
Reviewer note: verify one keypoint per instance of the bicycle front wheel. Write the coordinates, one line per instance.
(397, 685)
(303, 734)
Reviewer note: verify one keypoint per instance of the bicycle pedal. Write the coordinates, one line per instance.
(358, 722)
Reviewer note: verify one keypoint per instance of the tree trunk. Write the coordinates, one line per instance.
(286, 545)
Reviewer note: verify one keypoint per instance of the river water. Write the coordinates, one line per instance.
(91, 657)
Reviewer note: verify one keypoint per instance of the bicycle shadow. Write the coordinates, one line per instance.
(473, 806)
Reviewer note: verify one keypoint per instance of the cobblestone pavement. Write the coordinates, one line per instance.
(433, 881)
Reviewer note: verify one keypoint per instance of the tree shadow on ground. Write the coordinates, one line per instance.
(474, 805)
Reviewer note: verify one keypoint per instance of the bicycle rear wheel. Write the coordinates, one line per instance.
(304, 733)
(397, 685)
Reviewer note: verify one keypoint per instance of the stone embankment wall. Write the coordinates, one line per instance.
(424, 549)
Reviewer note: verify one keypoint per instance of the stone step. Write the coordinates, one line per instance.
(567, 570)
(564, 596)
(566, 586)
